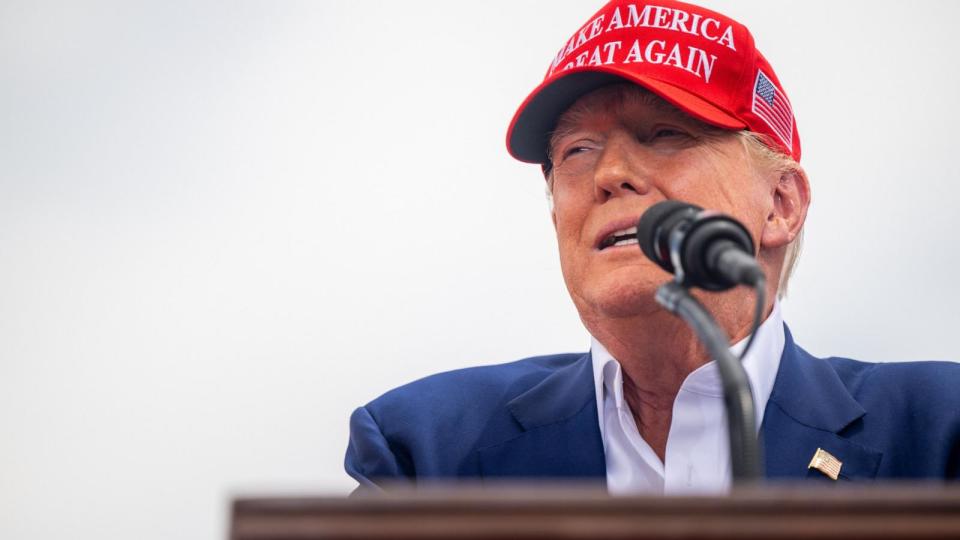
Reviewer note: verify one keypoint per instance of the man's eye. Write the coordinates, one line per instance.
(667, 132)
(573, 150)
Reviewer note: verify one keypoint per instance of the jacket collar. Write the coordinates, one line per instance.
(560, 435)
(559, 396)
(808, 389)
(811, 408)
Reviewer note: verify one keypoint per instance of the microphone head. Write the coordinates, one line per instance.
(653, 229)
(699, 238)
(705, 240)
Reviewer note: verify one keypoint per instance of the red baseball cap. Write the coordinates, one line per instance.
(702, 62)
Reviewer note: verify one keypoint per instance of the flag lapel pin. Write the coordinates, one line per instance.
(824, 462)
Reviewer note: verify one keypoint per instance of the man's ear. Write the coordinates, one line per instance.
(791, 199)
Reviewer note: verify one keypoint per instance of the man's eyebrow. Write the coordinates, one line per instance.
(561, 132)
(568, 124)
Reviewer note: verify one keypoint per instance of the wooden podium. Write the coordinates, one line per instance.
(777, 512)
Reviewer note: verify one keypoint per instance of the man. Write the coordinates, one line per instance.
(650, 101)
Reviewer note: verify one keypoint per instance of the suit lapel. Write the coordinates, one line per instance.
(811, 408)
(561, 434)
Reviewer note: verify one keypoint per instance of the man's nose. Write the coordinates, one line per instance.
(619, 172)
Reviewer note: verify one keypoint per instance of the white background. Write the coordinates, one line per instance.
(225, 225)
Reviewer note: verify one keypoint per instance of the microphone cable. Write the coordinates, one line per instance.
(760, 291)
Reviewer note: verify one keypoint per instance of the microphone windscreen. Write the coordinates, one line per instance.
(651, 222)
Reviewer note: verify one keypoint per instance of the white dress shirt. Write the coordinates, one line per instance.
(697, 458)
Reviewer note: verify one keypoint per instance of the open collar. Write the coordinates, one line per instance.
(761, 365)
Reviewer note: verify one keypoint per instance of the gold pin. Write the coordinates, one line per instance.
(824, 462)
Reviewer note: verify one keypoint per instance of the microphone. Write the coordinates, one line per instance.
(715, 252)
(702, 248)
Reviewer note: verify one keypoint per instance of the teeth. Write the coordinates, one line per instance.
(623, 237)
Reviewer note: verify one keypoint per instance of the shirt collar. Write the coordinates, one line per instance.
(761, 364)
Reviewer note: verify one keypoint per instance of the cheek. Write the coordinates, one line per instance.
(716, 185)
(569, 221)
(569, 214)
(568, 233)
(747, 201)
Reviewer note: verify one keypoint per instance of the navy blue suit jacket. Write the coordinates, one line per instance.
(537, 418)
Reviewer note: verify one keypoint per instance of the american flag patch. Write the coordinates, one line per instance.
(773, 107)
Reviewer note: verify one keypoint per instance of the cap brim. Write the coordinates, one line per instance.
(529, 133)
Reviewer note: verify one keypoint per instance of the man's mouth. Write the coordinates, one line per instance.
(623, 237)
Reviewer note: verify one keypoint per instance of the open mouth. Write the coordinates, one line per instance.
(623, 237)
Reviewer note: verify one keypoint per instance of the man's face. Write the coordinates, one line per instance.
(618, 151)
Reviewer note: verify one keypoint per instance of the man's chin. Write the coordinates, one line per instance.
(620, 300)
